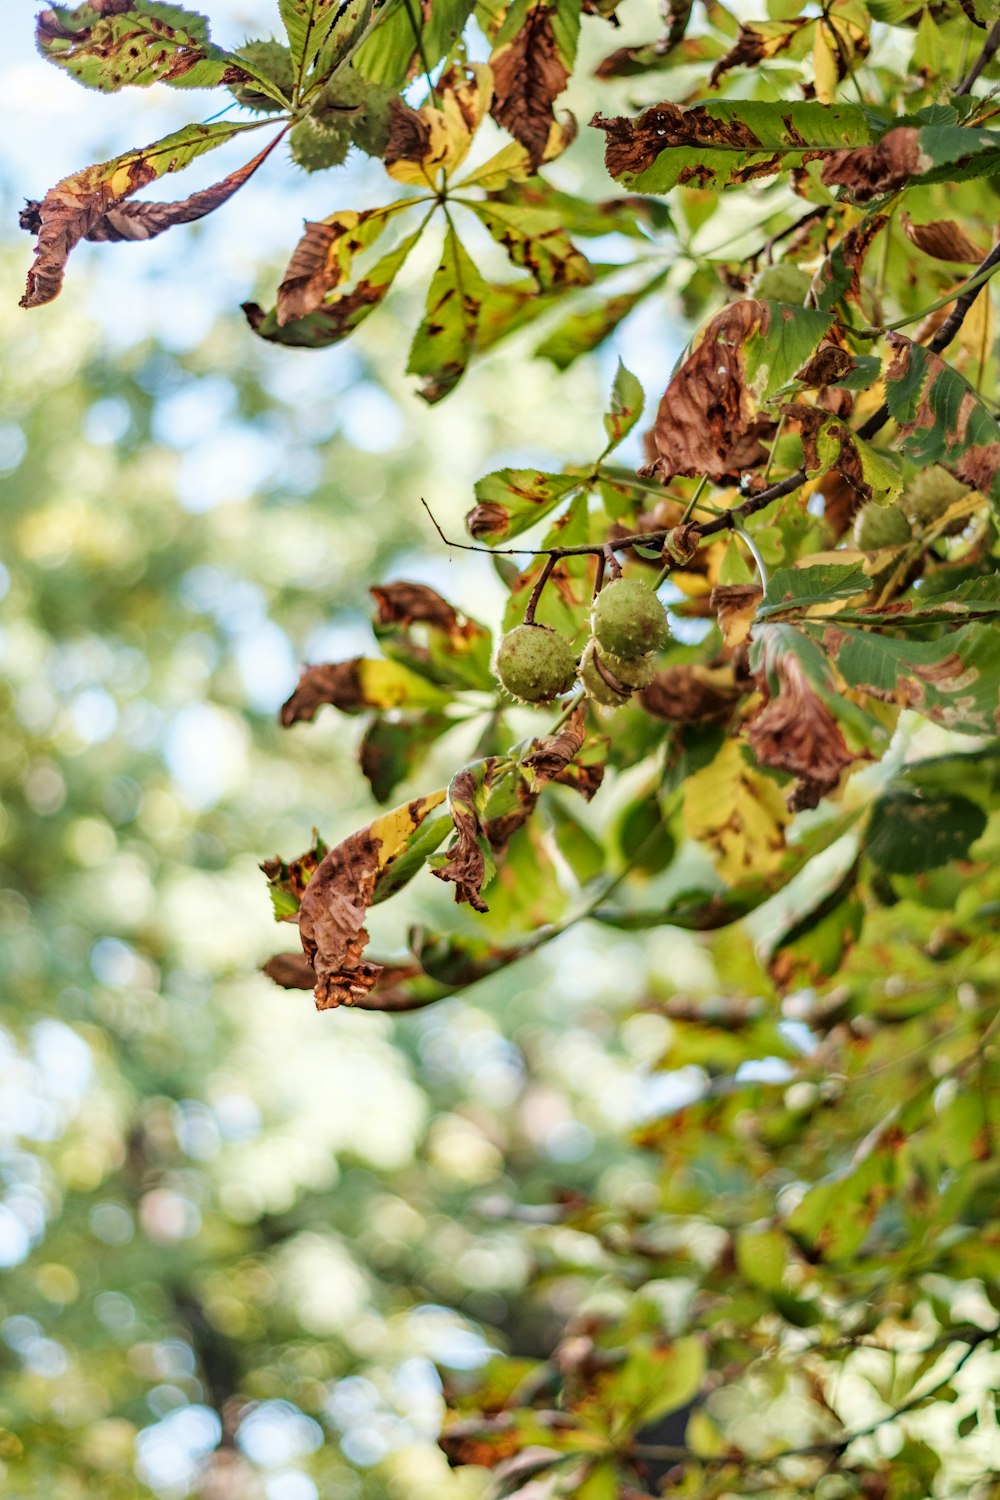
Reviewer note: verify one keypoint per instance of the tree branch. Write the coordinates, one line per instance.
(990, 46)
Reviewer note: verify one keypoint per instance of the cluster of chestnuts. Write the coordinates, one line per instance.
(928, 495)
(628, 626)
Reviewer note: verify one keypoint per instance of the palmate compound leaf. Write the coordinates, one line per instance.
(725, 144)
(92, 204)
(110, 44)
(709, 420)
(941, 419)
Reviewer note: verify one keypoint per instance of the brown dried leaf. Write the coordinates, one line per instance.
(796, 732)
(529, 74)
(735, 605)
(335, 682)
(552, 755)
(411, 603)
(632, 145)
(829, 363)
(690, 694)
(90, 206)
(943, 239)
(292, 971)
(465, 867)
(757, 43)
(706, 423)
(873, 171)
(332, 913)
(323, 258)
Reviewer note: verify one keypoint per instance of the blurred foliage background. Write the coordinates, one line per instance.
(241, 1241)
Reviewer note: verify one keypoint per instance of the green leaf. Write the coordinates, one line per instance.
(762, 1255)
(909, 832)
(820, 584)
(535, 239)
(941, 418)
(773, 354)
(583, 331)
(329, 26)
(627, 401)
(446, 338)
(954, 681)
(510, 501)
(393, 748)
(147, 43)
(725, 144)
(391, 52)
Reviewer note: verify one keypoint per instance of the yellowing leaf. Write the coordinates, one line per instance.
(738, 813)
(436, 138)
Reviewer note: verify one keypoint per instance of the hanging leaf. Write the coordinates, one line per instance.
(906, 154)
(323, 258)
(90, 204)
(943, 239)
(531, 60)
(337, 318)
(536, 240)
(135, 42)
(737, 813)
(512, 500)
(327, 27)
(436, 138)
(356, 685)
(336, 899)
(446, 338)
(954, 681)
(725, 144)
(416, 626)
(941, 418)
(708, 421)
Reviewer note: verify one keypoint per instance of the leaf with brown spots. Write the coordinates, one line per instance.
(757, 42)
(334, 904)
(941, 419)
(446, 339)
(535, 239)
(943, 239)
(725, 144)
(531, 60)
(288, 881)
(796, 731)
(691, 694)
(91, 204)
(436, 138)
(111, 44)
(323, 258)
(416, 626)
(359, 684)
(906, 153)
(735, 606)
(337, 317)
(707, 422)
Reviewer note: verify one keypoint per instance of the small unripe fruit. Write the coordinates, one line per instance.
(631, 671)
(596, 683)
(781, 283)
(929, 494)
(879, 526)
(628, 619)
(535, 664)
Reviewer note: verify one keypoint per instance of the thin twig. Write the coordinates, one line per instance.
(990, 46)
(536, 592)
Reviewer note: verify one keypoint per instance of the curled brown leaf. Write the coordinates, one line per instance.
(707, 421)
(873, 171)
(90, 205)
(943, 239)
(796, 732)
(689, 695)
(529, 74)
(337, 683)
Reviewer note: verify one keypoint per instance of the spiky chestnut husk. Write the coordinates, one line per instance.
(632, 671)
(781, 283)
(535, 664)
(273, 60)
(929, 494)
(596, 686)
(878, 526)
(314, 148)
(628, 620)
